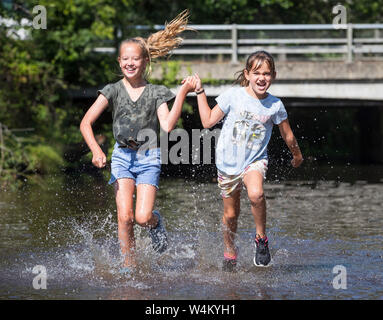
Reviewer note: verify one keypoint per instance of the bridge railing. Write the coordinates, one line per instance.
(300, 41)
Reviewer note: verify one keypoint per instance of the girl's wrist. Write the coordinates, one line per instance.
(199, 90)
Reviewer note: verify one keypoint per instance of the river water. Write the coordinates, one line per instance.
(325, 239)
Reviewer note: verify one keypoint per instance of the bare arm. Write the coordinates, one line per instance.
(291, 142)
(168, 119)
(97, 108)
(209, 117)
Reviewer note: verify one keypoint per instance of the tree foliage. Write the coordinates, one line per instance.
(38, 72)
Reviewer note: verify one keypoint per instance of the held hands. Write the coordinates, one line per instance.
(99, 159)
(192, 83)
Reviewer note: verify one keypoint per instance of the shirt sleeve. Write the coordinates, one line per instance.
(163, 95)
(280, 115)
(223, 101)
(108, 92)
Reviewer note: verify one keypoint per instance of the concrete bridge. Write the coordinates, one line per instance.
(313, 60)
(359, 80)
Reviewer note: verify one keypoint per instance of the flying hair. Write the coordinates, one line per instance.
(162, 42)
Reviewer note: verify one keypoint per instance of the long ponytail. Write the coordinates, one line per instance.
(162, 42)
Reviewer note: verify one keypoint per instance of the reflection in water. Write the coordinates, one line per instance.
(68, 224)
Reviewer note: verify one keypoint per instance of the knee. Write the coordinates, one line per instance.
(229, 214)
(126, 218)
(256, 197)
(144, 218)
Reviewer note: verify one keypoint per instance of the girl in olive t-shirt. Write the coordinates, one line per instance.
(138, 107)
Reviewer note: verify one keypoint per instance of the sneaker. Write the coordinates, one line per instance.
(229, 263)
(158, 235)
(262, 254)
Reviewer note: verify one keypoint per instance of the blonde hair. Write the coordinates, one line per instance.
(254, 61)
(160, 44)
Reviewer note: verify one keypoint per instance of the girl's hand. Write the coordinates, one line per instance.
(189, 83)
(297, 161)
(198, 86)
(99, 159)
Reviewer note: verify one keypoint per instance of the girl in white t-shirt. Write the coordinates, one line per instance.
(249, 113)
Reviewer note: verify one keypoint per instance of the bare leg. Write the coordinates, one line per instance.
(231, 209)
(253, 181)
(124, 190)
(146, 197)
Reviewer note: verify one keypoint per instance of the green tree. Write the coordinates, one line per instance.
(39, 73)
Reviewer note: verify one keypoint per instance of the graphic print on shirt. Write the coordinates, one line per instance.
(257, 134)
(240, 131)
(249, 130)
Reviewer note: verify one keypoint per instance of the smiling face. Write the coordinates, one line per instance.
(260, 78)
(132, 61)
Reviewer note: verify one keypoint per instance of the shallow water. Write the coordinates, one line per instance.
(67, 224)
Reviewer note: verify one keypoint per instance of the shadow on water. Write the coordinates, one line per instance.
(68, 224)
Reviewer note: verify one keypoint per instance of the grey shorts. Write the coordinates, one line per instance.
(230, 183)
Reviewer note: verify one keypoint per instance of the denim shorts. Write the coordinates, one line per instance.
(142, 167)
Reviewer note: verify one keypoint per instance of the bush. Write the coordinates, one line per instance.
(43, 159)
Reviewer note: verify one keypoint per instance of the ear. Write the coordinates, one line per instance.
(274, 76)
(246, 74)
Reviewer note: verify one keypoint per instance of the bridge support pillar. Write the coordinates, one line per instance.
(371, 134)
(380, 149)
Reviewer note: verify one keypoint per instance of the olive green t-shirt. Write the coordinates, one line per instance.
(129, 117)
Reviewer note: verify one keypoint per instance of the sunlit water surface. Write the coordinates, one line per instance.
(67, 224)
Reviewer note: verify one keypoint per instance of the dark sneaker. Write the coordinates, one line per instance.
(229, 263)
(262, 254)
(158, 235)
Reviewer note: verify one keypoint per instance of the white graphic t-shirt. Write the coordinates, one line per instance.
(246, 129)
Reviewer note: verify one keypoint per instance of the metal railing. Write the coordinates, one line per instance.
(234, 40)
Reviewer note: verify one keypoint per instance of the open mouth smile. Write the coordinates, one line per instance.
(261, 86)
(130, 70)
